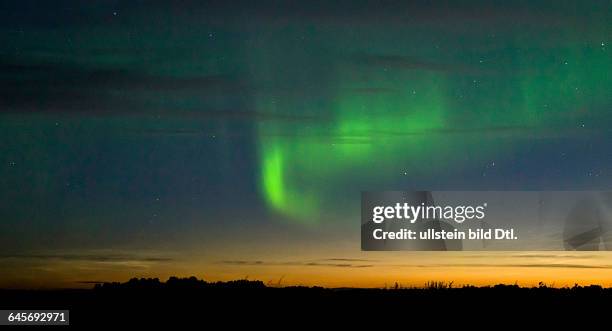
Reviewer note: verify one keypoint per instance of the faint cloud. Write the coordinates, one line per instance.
(317, 263)
(349, 260)
(552, 256)
(402, 62)
(118, 258)
(525, 265)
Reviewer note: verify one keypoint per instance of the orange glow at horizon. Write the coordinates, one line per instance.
(364, 269)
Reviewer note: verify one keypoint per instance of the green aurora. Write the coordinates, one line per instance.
(385, 111)
(315, 106)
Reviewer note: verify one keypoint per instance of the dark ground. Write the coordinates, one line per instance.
(250, 303)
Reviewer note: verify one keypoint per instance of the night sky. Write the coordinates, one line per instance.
(224, 140)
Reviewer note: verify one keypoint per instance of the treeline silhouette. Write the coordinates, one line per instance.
(175, 283)
(193, 283)
(148, 300)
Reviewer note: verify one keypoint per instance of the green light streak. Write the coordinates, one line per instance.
(433, 122)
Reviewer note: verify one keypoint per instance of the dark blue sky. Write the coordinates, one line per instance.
(147, 125)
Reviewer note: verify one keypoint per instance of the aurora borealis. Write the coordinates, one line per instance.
(425, 109)
(147, 138)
